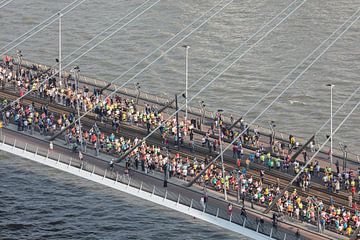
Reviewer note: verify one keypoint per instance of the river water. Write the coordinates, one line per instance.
(38, 202)
(301, 110)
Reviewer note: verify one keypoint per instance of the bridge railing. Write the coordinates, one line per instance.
(265, 227)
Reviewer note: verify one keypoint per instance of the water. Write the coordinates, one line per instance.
(301, 111)
(38, 202)
(49, 203)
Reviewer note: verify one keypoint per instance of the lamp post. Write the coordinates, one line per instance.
(222, 155)
(202, 107)
(76, 71)
(331, 122)
(60, 80)
(186, 78)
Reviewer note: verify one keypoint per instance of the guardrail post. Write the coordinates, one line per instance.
(271, 232)
(93, 170)
(257, 228)
(178, 200)
(153, 191)
(117, 176)
(244, 222)
(25, 147)
(59, 158)
(217, 212)
(36, 151)
(140, 186)
(284, 237)
(192, 200)
(14, 143)
(104, 174)
(70, 162)
(165, 195)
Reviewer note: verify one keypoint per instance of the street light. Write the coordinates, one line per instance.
(221, 154)
(331, 122)
(202, 107)
(186, 78)
(76, 71)
(60, 80)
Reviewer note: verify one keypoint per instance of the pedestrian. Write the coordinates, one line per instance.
(350, 200)
(230, 208)
(297, 234)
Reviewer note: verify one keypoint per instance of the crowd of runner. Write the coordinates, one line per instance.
(150, 158)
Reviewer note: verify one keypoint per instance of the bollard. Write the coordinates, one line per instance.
(178, 200)
(284, 237)
(25, 148)
(47, 155)
(4, 140)
(230, 217)
(36, 151)
(58, 158)
(14, 143)
(93, 171)
(244, 222)
(257, 228)
(81, 167)
(128, 183)
(70, 162)
(271, 232)
(165, 195)
(192, 200)
(104, 174)
(217, 212)
(153, 191)
(140, 186)
(117, 176)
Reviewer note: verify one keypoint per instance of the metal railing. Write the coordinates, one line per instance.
(264, 227)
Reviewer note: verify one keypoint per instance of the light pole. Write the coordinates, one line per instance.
(331, 122)
(186, 78)
(60, 80)
(76, 70)
(202, 106)
(222, 155)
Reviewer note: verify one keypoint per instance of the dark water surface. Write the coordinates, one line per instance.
(38, 202)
